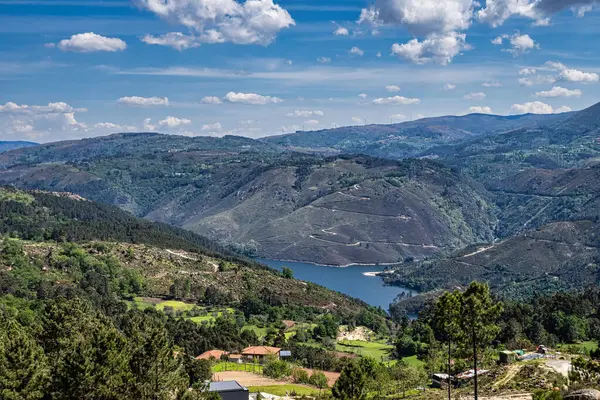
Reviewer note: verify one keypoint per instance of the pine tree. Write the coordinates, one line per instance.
(479, 313)
(351, 383)
(445, 323)
(24, 373)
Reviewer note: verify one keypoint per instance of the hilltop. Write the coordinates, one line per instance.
(12, 145)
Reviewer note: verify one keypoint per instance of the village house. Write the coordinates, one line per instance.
(260, 353)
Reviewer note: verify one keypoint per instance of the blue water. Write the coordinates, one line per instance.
(348, 280)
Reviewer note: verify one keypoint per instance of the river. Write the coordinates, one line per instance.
(347, 280)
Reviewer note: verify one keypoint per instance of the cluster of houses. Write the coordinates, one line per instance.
(249, 354)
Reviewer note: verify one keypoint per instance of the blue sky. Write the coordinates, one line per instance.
(81, 68)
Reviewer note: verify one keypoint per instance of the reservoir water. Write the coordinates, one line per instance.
(347, 280)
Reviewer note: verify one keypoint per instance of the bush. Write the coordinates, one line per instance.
(319, 380)
(300, 376)
(277, 369)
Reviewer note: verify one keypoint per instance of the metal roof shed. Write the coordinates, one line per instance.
(229, 390)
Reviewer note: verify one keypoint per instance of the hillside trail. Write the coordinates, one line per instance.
(511, 372)
(478, 251)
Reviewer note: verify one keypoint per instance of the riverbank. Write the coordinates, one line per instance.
(334, 265)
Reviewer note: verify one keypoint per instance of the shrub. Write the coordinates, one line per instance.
(300, 376)
(277, 369)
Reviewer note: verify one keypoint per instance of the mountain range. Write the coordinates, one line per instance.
(421, 193)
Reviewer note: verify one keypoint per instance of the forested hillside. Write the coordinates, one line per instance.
(338, 210)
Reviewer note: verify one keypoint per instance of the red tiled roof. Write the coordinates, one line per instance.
(207, 355)
(260, 351)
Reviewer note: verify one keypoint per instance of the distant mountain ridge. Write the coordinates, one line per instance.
(409, 139)
(12, 145)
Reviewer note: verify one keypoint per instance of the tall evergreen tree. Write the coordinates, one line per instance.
(24, 373)
(445, 324)
(351, 383)
(479, 313)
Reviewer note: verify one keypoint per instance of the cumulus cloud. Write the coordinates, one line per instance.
(562, 109)
(421, 17)
(251, 98)
(109, 126)
(363, 96)
(53, 121)
(398, 117)
(311, 122)
(520, 44)
(392, 88)
(527, 71)
(357, 120)
(493, 84)
(172, 122)
(324, 60)
(572, 75)
(341, 31)
(212, 127)
(396, 100)
(449, 86)
(558, 91)
(535, 107)
(211, 100)
(176, 40)
(306, 113)
(215, 21)
(475, 96)
(496, 12)
(357, 51)
(439, 49)
(480, 110)
(91, 42)
(143, 101)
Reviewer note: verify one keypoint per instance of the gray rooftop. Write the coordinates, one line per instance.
(226, 386)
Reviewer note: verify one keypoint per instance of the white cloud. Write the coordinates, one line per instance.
(398, 117)
(572, 75)
(392, 88)
(148, 126)
(306, 113)
(212, 127)
(341, 31)
(496, 12)
(91, 42)
(143, 101)
(172, 122)
(480, 110)
(537, 80)
(527, 71)
(493, 84)
(562, 109)
(396, 100)
(475, 96)
(176, 40)
(251, 98)
(535, 107)
(324, 60)
(250, 22)
(421, 17)
(114, 127)
(363, 95)
(357, 51)
(435, 48)
(311, 122)
(40, 122)
(558, 91)
(211, 100)
(449, 86)
(378, 54)
(520, 44)
(357, 120)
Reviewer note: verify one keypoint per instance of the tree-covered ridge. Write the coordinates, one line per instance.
(38, 215)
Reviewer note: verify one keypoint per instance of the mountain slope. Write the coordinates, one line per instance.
(286, 206)
(408, 139)
(160, 255)
(12, 145)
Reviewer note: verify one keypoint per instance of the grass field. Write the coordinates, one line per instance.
(260, 332)
(175, 305)
(282, 390)
(378, 351)
(583, 347)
